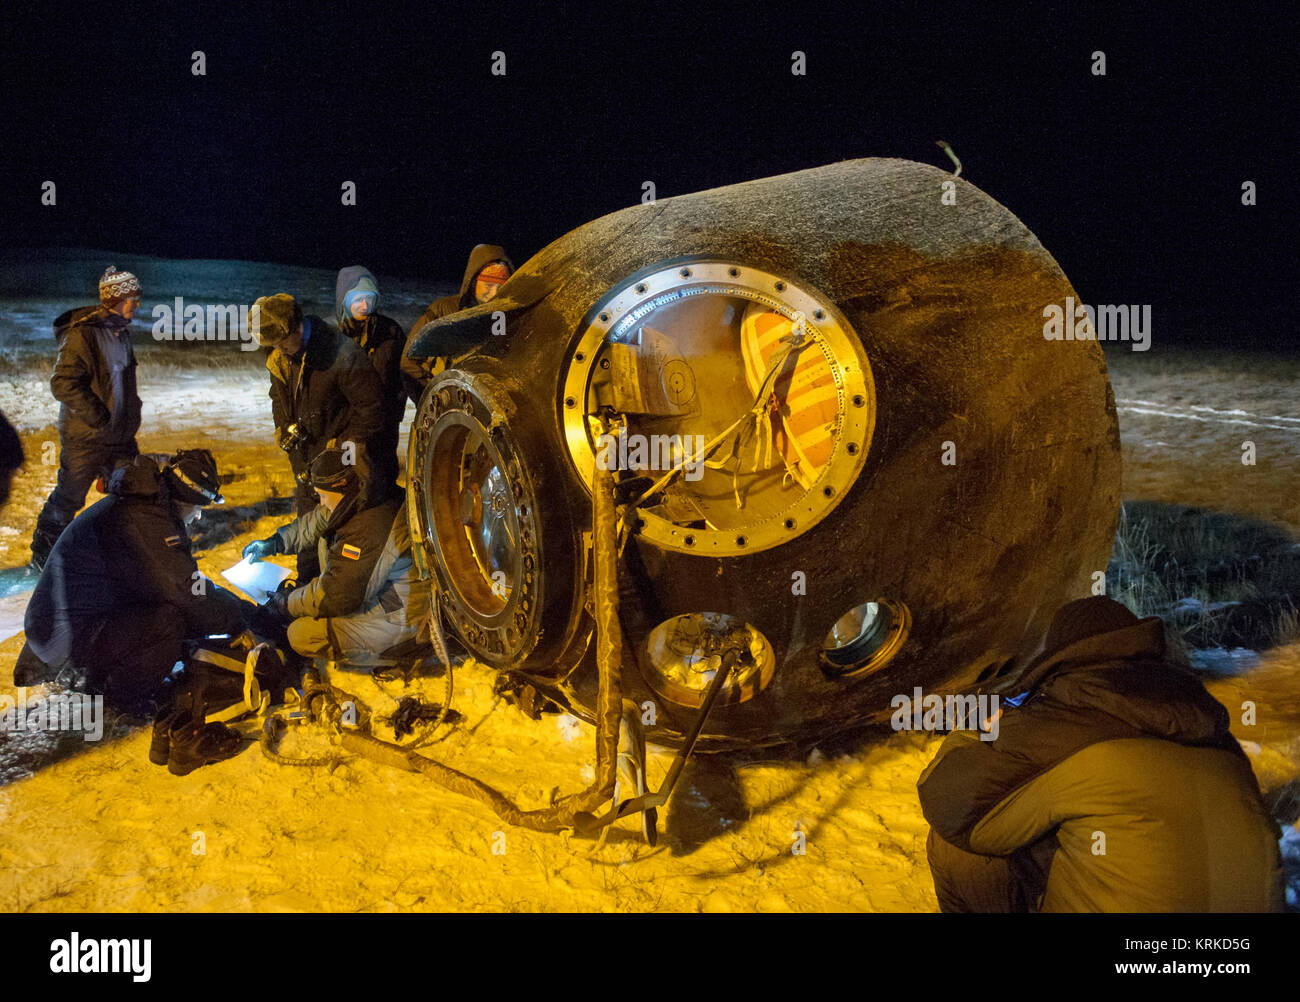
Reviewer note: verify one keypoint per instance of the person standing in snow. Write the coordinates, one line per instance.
(121, 592)
(486, 271)
(369, 596)
(324, 391)
(1114, 785)
(99, 410)
(356, 303)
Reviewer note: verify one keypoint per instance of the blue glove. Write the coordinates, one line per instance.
(260, 548)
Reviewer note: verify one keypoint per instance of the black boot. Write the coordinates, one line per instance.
(194, 746)
(43, 539)
(31, 670)
(161, 743)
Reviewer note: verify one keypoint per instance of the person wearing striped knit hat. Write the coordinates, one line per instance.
(99, 409)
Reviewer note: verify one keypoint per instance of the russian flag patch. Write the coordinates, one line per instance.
(173, 540)
(351, 552)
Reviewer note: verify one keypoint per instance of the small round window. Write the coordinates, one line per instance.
(865, 638)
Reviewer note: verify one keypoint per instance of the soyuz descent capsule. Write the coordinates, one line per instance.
(859, 460)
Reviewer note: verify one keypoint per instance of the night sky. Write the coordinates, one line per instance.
(1132, 180)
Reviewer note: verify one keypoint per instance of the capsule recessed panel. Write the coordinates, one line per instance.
(740, 400)
(685, 652)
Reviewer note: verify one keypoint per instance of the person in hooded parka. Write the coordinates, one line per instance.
(1113, 784)
(356, 310)
(486, 271)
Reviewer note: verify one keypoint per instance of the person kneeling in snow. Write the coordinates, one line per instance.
(121, 592)
(369, 596)
(1114, 785)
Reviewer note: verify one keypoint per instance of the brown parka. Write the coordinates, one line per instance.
(1127, 761)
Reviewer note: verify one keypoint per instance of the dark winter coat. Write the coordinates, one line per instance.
(11, 456)
(1114, 742)
(128, 550)
(382, 340)
(419, 370)
(365, 562)
(329, 389)
(94, 378)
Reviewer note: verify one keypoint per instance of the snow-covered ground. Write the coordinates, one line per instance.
(95, 826)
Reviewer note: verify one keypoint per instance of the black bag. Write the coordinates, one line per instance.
(222, 682)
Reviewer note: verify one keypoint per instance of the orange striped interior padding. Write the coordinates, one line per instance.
(805, 397)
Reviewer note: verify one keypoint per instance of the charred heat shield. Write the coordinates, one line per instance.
(849, 450)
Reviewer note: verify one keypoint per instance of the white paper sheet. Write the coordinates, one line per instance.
(256, 579)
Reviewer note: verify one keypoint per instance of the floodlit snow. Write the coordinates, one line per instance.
(11, 615)
(95, 826)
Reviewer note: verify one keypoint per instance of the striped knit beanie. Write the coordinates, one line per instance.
(115, 286)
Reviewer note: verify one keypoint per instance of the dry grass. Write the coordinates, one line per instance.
(1218, 580)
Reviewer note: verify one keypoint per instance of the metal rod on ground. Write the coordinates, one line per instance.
(729, 660)
(589, 824)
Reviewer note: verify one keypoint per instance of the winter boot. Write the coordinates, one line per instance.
(161, 743)
(43, 540)
(194, 745)
(31, 670)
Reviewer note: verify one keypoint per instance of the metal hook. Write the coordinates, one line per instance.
(951, 156)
